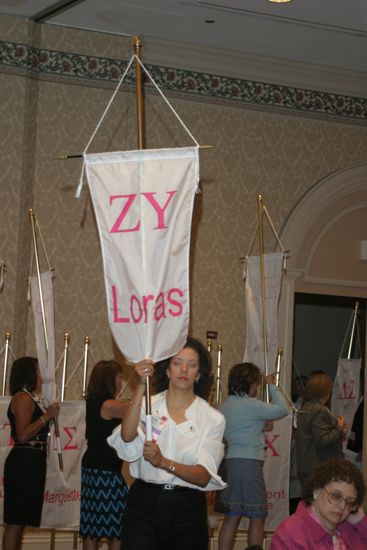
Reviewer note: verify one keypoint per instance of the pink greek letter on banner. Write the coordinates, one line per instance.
(61, 501)
(143, 202)
(345, 396)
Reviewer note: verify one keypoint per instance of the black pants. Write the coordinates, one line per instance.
(158, 519)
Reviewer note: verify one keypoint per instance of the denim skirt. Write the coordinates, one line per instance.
(245, 494)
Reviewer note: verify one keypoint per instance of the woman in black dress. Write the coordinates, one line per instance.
(25, 466)
(103, 489)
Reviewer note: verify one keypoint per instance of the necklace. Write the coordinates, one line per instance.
(28, 393)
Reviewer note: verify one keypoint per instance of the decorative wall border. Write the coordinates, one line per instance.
(193, 84)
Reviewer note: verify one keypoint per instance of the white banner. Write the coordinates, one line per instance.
(46, 360)
(273, 269)
(345, 397)
(143, 202)
(61, 505)
(276, 472)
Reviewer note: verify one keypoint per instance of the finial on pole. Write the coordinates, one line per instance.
(85, 366)
(137, 45)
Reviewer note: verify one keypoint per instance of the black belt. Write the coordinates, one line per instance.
(163, 486)
(32, 444)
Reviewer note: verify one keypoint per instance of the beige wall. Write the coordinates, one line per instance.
(279, 154)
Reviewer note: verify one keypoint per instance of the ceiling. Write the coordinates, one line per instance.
(330, 33)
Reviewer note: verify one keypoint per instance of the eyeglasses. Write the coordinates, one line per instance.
(334, 497)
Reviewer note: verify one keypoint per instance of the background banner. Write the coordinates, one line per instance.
(46, 360)
(345, 396)
(276, 472)
(273, 270)
(61, 505)
(143, 202)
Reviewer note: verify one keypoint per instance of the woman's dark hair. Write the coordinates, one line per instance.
(298, 387)
(318, 386)
(241, 377)
(203, 385)
(334, 470)
(102, 381)
(23, 375)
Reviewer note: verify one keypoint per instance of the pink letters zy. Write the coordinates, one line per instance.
(129, 201)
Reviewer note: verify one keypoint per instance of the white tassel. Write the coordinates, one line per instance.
(2, 271)
(29, 290)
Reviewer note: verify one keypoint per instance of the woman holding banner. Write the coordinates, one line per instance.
(103, 489)
(25, 466)
(246, 420)
(166, 506)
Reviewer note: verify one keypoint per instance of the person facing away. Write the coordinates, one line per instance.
(246, 419)
(319, 434)
(297, 393)
(166, 506)
(25, 466)
(330, 515)
(355, 438)
(103, 488)
(355, 441)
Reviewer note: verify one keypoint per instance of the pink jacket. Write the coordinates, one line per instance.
(301, 532)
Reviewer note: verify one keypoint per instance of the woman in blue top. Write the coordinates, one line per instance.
(246, 420)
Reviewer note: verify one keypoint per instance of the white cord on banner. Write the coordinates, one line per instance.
(43, 246)
(346, 335)
(80, 186)
(9, 348)
(79, 190)
(274, 233)
(167, 102)
(29, 298)
(273, 229)
(31, 261)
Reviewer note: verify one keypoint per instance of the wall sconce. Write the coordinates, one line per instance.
(280, 1)
(363, 250)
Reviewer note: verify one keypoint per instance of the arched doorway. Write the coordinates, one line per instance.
(324, 233)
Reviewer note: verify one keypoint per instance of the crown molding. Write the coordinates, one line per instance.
(250, 67)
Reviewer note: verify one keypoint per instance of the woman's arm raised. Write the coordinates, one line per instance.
(143, 370)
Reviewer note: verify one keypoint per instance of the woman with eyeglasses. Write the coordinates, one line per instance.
(330, 515)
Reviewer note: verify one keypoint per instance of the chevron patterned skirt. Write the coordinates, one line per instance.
(102, 502)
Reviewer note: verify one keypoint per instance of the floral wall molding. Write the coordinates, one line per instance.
(46, 63)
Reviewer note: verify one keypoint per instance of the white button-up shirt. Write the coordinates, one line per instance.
(198, 440)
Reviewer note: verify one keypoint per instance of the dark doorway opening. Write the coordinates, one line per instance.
(320, 329)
